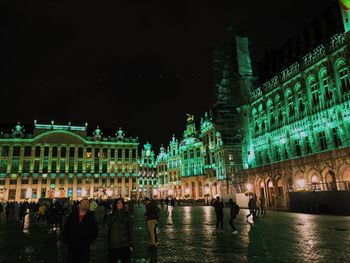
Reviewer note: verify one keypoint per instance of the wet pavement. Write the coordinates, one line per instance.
(189, 235)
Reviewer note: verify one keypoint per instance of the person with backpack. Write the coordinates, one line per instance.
(234, 210)
(152, 216)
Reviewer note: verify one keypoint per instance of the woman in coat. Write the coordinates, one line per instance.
(119, 234)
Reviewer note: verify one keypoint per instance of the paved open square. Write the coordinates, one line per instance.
(189, 235)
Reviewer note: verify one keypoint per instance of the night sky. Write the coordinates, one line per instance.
(141, 65)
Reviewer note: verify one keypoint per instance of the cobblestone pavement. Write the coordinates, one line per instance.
(189, 235)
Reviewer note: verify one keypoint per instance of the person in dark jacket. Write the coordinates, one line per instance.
(79, 232)
(152, 216)
(119, 234)
(219, 211)
(234, 210)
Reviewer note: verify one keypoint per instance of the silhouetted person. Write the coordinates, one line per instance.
(219, 211)
(119, 234)
(79, 232)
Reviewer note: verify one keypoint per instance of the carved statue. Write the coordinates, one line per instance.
(190, 117)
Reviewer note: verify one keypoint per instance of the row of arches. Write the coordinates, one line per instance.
(275, 188)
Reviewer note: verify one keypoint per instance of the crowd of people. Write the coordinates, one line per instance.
(77, 223)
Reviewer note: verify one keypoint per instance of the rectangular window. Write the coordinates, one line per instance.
(37, 151)
(104, 153)
(13, 181)
(45, 165)
(126, 155)
(16, 151)
(26, 166)
(104, 167)
(43, 181)
(134, 154)
(3, 166)
(80, 167)
(112, 153)
(43, 192)
(70, 180)
(12, 194)
(297, 148)
(2, 182)
(63, 152)
(88, 166)
(54, 166)
(88, 152)
(46, 151)
(97, 153)
(79, 181)
(78, 191)
(96, 180)
(322, 140)
(62, 166)
(111, 181)
(36, 166)
(61, 181)
(71, 152)
(54, 152)
(5, 151)
(191, 154)
(27, 150)
(34, 193)
(120, 153)
(344, 79)
(336, 138)
(71, 165)
(23, 193)
(35, 181)
(24, 181)
(80, 152)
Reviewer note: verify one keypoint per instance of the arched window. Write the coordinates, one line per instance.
(255, 120)
(279, 116)
(314, 90)
(290, 103)
(261, 117)
(299, 96)
(343, 74)
(270, 110)
(326, 87)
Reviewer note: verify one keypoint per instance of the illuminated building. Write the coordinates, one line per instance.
(195, 167)
(147, 172)
(296, 121)
(63, 161)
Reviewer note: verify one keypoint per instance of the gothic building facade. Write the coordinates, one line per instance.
(296, 124)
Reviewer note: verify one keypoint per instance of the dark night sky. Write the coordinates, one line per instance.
(140, 65)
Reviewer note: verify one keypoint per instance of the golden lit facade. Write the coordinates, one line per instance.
(63, 161)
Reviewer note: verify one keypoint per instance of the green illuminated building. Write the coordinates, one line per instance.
(296, 122)
(63, 161)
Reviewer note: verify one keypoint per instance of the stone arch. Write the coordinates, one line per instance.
(300, 180)
(344, 177)
(270, 191)
(315, 180)
(330, 179)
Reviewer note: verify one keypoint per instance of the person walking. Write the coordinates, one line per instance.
(79, 232)
(234, 210)
(251, 207)
(152, 216)
(119, 234)
(219, 211)
(41, 213)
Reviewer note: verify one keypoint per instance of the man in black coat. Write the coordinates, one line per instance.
(219, 211)
(79, 232)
